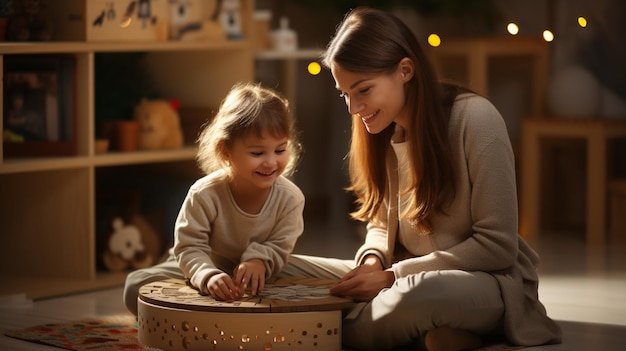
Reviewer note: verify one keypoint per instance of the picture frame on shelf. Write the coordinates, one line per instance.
(39, 106)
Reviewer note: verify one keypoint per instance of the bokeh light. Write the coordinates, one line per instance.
(314, 68)
(434, 40)
(582, 21)
(548, 36)
(512, 28)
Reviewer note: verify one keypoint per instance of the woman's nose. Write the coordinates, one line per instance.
(354, 106)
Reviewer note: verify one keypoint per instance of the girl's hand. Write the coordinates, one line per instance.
(222, 288)
(251, 273)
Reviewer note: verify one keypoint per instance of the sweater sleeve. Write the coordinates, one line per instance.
(376, 243)
(486, 159)
(191, 239)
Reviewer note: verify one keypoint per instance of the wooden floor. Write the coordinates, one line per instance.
(589, 304)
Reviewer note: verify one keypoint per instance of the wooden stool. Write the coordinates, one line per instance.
(291, 313)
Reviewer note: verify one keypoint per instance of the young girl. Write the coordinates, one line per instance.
(433, 171)
(239, 223)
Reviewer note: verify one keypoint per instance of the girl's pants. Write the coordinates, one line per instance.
(397, 316)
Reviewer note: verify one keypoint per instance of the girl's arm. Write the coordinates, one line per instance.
(191, 241)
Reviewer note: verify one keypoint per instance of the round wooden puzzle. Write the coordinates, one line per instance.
(290, 313)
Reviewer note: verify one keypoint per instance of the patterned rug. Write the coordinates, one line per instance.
(112, 333)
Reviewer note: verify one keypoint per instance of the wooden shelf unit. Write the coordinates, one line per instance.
(476, 53)
(48, 204)
(596, 132)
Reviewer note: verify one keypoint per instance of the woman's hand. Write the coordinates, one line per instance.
(222, 288)
(365, 281)
(251, 273)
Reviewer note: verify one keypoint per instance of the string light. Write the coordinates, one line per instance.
(434, 40)
(548, 36)
(314, 68)
(512, 28)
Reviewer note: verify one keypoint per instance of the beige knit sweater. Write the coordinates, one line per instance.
(480, 230)
(212, 234)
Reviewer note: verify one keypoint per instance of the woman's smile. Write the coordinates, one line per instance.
(367, 119)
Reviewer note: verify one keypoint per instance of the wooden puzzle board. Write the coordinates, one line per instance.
(293, 294)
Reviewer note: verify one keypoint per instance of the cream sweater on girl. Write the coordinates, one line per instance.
(212, 234)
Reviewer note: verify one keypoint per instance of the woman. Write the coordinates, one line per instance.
(433, 171)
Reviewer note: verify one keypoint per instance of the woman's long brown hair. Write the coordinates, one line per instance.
(373, 41)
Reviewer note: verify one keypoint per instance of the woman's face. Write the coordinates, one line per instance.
(378, 99)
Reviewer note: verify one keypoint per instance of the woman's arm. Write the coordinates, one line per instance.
(486, 199)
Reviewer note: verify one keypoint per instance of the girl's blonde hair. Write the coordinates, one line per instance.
(248, 108)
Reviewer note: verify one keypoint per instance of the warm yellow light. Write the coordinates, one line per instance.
(582, 21)
(548, 36)
(512, 28)
(314, 68)
(434, 40)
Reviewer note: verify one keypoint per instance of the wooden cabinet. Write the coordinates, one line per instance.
(596, 134)
(48, 204)
(475, 55)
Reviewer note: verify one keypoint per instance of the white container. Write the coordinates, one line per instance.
(284, 38)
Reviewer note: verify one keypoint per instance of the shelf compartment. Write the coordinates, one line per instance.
(52, 236)
(156, 156)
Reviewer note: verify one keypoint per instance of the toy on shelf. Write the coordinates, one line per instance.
(195, 20)
(128, 245)
(230, 18)
(159, 124)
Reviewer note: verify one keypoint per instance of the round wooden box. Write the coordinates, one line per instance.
(289, 314)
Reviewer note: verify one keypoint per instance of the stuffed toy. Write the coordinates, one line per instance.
(134, 245)
(30, 22)
(159, 124)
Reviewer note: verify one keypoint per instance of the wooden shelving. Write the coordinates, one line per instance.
(48, 204)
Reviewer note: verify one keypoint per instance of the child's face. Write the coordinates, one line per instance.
(257, 161)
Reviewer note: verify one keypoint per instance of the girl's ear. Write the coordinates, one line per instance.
(222, 151)
(407, 69)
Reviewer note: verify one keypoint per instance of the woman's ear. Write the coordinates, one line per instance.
(406, 68)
